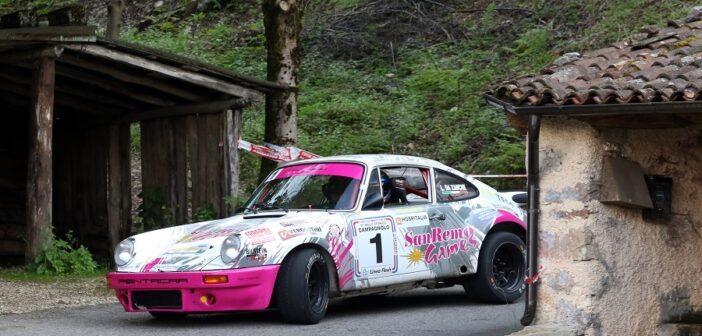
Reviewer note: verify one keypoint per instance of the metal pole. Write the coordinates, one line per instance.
(533, 216)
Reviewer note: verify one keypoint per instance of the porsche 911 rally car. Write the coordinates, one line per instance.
(331, 227)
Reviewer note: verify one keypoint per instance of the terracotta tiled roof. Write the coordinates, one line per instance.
(655, 65)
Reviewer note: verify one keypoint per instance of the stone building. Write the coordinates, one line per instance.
(615, 157)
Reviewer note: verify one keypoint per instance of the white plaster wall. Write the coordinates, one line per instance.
(607, 271)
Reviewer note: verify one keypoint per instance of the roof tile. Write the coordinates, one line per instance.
(656, 64)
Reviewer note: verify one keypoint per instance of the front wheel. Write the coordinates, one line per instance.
(501, 269)
(302, 287)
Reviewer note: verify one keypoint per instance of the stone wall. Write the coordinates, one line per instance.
(607, 271)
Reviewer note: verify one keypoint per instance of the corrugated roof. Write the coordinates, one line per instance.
(655, 65)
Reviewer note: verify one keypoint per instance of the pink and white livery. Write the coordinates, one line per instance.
(331, 227)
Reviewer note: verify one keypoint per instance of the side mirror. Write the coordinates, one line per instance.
(520, 198)
(373, 201)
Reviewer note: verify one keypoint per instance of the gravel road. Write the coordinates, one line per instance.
(417, 312)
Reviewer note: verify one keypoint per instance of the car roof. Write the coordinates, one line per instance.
(373, 160)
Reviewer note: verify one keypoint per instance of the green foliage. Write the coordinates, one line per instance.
(153, 213)
(62, 257)
(425, 98)
(622, 18)
(531, 50)
(204, 213)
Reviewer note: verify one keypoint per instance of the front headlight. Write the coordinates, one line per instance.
(230, 249)
(124, 252)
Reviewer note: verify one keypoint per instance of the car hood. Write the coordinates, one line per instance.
(265, 237)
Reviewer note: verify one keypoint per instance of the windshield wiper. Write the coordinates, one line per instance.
(274, 207)
(247, 210)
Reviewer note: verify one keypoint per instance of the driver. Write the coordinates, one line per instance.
(333, 190)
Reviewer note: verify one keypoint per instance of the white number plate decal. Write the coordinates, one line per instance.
(376, 247)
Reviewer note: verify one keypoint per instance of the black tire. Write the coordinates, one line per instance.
(168, 316)
(501, 270)
(302, 287)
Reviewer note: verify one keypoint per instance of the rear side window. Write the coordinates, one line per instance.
(451, 188)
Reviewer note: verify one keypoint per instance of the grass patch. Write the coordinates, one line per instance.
(23, 274)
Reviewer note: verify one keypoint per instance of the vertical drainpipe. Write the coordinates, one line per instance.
(533, 216)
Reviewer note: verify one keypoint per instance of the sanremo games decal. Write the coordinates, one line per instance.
(376, 247)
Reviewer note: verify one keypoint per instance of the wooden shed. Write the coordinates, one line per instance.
(67, 100)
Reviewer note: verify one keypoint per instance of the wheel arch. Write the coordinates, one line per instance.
(331, 265)
(510, 227)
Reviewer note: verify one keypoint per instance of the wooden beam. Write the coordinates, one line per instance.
(183, 110)
(50, 34)
(119, 204)
(168, 70)
(66, 100)
(104, 83)
(130, 78)
(109, 85)
(39, 170)
(29, 54)
(81, 92)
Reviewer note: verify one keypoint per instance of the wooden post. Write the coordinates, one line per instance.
(233, 132)
(114, 18)
(39, 169)
(119, 184)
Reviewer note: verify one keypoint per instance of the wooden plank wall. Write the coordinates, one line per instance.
(180, 148)
(13, 182)
(206, 161)
(80, 185)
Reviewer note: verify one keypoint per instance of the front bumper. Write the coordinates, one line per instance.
(246, 289)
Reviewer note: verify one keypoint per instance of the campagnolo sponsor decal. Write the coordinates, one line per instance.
(256, 253)
(439, 244)
(259, 236)
(419, 219)
(294, 232)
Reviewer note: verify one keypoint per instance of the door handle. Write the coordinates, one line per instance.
(437, 216)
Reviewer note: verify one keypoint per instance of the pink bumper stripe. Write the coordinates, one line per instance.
(246, 289)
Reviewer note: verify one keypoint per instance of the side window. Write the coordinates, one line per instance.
(404, 185)
(451, 188)
(374, 196)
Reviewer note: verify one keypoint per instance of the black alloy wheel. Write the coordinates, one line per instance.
(501, 269)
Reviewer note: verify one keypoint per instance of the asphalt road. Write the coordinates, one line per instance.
(417, 312)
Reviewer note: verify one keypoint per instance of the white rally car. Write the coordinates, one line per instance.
(331, 227)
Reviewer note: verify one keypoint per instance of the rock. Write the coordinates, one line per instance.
(567, 58)
(695, 14)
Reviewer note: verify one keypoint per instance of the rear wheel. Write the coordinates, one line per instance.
(302, 287)
(501, 269)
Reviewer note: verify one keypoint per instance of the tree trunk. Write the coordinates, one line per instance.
(283, 22)
(39, 169)
(114, 18)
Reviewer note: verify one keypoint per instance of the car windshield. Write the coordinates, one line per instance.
(308, 187)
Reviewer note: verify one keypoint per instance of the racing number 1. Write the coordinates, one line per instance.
(378, 242)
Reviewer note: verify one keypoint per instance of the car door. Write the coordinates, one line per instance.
(379, 231)
(452, 249)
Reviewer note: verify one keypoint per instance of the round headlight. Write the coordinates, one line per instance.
(230, 248)
(124, 252)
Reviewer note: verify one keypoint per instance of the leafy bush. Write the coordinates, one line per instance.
(62, 257)
(204, 213)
